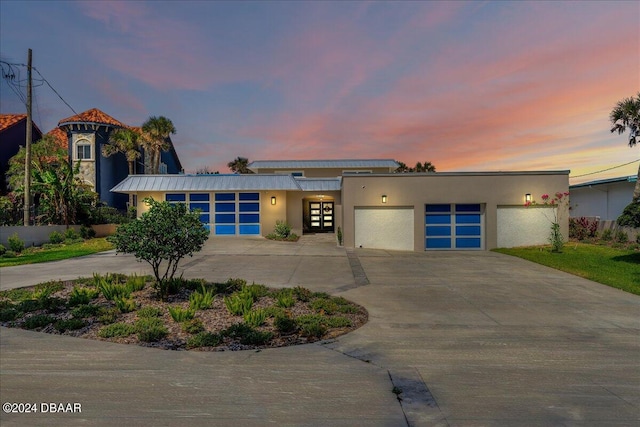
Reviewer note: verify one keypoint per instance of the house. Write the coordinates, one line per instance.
(86, 133)
(13, 133)
(374, 207)
(605, 198)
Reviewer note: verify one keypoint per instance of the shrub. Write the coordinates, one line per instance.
(38, 321)
(124, 304)
(16, 244)
(195, 284)
(85, 310)
(311, 325)
(581, 228)
(285, 324)
(87, 232)
(56, 237)
(256, 291)
(622, 237)
(324, 305)
(116, 330)
(193, 326)
(338, 322)
(47, 288)
(204, 339)
(71, 234)
(285, 299)
(163, 235)
(630, 216)
(9, 254)
(239, 303)
(107, 215)
(149, 312)
(151, 329)
(69, 325)
(180, 314)
(18, 294)
(282, 229)
(82, 295)
(607, 235)
(247, 335)
(231, 286)
(339, 236)
(112, 291)
(255, 317)
(201, 300)
(3, 250)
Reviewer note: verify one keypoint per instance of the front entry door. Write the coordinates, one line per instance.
(321, 214)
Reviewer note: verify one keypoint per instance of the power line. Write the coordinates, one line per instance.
(604, 170)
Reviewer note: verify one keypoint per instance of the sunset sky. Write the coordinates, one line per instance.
(469, 86)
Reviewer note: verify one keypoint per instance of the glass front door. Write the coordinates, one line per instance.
(321, 216)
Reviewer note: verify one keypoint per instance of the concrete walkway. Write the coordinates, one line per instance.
(474, 338)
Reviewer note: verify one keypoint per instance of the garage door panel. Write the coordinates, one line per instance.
(454, 226)
(384, 228)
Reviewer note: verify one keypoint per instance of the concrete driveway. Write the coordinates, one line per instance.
(473, 338)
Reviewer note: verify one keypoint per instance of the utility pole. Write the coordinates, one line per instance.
(27, 160)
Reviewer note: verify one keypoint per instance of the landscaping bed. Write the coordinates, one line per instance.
(195, 315)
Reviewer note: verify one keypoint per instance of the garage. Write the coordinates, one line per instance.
(454, 226)
(384, 228)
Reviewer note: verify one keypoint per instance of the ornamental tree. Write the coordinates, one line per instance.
(162, 237)
(559, 202)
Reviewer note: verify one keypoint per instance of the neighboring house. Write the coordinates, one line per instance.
(605, 198)
(13, 135)
(86, 133)
(374, 207)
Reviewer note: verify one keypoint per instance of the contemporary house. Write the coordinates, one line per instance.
(13, 132)
(86, 133)
(374, 207)
(605, 198)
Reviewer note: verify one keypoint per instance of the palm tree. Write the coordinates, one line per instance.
(239, 165)
(626, 114)
(155, 139)
(426, 167)
(126, 141)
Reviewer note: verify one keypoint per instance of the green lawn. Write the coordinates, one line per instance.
(36, 255)
(618, 268)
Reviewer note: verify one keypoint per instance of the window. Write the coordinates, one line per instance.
(83, 151)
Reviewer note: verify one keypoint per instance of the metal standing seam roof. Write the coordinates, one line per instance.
(310, 164)
(320, 184)
(630, 178)
(165, 183)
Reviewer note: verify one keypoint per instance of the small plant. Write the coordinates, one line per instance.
(136, 283)
(285, 299)
(69, 325)
(71, 234)
(82, 295)
(9, 254)
(194, 284)
(311, 325)
(204, 339)
(16, 244)
(8, 314)
(38, 321)
(247, 335)
(85, 310)
(324, 305)
(108, 315)
(193, 326)
(124, 304)
(3, 250)
(47, 288)
(201, 300)
(232, 285)
(116, 330)
(238, 303)
(180, 314)
(150, 329)
(339, 235)
(581, 228)
(56, 237)
(607, 235)
(112, 291)
(285, 324)
(338, 322)
(256, 291)
(255, 317)
(302, 294)
(282, 229)
(149, 312)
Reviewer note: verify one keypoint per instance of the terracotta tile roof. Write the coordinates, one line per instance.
(92, 116)
(8, 120)
(60, 136)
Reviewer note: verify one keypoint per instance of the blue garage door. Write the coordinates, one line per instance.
(197, 201)
(237, 213)
(453, 226)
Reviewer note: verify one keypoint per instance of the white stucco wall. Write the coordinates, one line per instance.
(524, 226)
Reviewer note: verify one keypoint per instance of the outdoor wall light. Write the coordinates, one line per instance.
(384, 198)
(273, 200)
(527, 197)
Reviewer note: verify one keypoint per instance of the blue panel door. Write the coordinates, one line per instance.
(453, 226)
